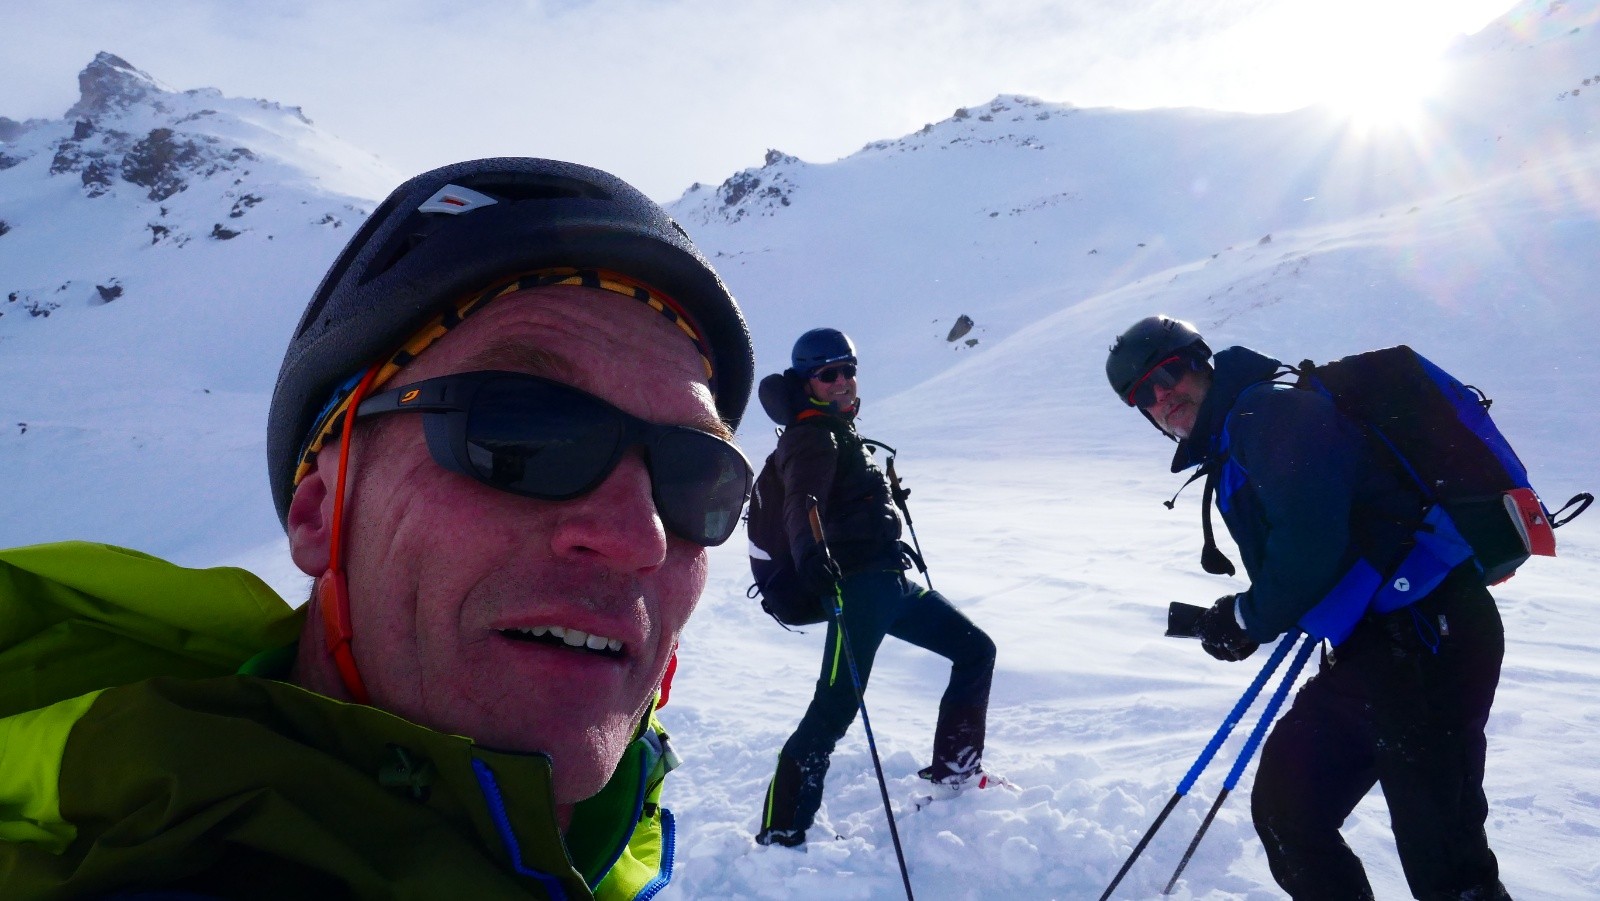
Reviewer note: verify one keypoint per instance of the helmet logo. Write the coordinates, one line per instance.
(1402, 584)
(410, 396)
(455, 200)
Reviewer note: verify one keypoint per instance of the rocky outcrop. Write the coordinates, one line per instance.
(148, 157)
(109, 85)
(753, 192)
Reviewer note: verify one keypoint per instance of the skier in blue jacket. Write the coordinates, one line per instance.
(1403, 698)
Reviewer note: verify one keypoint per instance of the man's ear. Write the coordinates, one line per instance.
(311, 521)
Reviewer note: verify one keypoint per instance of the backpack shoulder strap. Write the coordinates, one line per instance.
(1212, 559)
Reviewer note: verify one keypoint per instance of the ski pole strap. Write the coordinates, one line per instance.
(1238, 711)
(838, 633)
(1585, 498)
(1271, 713)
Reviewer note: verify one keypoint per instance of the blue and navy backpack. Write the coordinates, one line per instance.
(1477, 500)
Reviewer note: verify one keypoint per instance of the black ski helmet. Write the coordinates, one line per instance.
(819, 347)
(1144, 345)
(459, 228)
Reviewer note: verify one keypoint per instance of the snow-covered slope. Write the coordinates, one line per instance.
(1036, 494)
(157, 249)
(1014, 209)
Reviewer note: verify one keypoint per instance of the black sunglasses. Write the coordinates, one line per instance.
(1164, 374)
(829, 376)
(542, 439)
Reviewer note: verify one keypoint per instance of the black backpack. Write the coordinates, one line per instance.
(777, 582)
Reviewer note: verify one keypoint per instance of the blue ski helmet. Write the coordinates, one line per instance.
(458, 229)
(820, 347)
(1145, 344)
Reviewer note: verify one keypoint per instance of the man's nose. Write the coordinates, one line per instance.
(617, 523)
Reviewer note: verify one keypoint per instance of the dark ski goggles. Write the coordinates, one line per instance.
(833, 374)
(542, 439)
(1165, 374)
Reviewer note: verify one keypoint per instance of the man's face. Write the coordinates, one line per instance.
(842, 390)
(449, 579)
(1175, 407)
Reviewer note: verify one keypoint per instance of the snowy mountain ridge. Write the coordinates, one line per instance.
(189, 166)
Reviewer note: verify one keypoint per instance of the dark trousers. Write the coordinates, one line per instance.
(1401, 703)
(877, 604)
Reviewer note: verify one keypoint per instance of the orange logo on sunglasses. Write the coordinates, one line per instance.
(410, 396)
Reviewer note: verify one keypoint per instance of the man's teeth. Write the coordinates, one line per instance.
(576, 638)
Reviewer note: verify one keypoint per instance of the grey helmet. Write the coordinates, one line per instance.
(461, 227)
(1144, 345)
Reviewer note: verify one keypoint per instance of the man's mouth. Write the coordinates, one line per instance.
(560, 636)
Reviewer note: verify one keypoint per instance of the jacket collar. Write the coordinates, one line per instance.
(786, 401)
(1233, 370)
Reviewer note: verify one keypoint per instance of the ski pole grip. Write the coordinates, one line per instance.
(816, 523)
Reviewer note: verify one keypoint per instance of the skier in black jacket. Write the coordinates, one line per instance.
(1403, 700)
(820, 455)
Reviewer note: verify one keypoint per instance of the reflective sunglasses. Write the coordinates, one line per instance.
(829, 376)
(542, 439)
(1165, 374)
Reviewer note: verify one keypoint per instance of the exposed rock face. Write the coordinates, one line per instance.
(145, 156)
(754, 192)
(162, 161)
(110, 85)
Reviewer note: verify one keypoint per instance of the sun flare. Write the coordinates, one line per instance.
(1385, 89)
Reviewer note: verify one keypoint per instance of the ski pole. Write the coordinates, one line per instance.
(861, 701)
(1245, 753)
(899, 494)
(1232, 719)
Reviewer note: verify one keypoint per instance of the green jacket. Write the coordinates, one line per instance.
(135, 756)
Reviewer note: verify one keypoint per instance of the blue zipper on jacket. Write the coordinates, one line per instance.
(669, 845)
(502, 822)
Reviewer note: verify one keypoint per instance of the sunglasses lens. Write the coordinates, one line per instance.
(540, 440)
(1165, 375)
(701, 483)
(551, 442)
(829, 376)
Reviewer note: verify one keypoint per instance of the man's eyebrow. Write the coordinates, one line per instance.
(552, 365)
(716, 427)
(521, 357)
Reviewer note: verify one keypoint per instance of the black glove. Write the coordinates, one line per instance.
(819, 574)
(1220, 633)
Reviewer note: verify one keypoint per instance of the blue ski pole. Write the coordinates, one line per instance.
(1245, 753)
(1204, 760)
(861, 701)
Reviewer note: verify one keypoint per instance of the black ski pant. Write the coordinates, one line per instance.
(1401, 703)
(877, 604)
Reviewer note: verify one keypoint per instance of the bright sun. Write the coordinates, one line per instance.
(1384, 89)
(1375, 61)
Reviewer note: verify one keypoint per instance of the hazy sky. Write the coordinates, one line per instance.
(669, 92)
